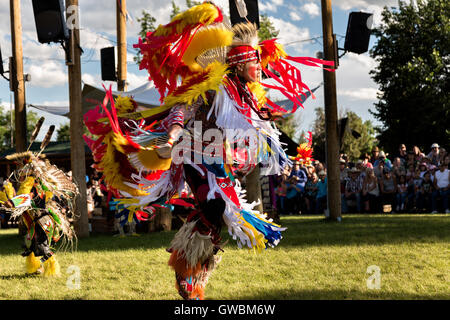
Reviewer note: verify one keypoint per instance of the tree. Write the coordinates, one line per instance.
(147, 22)
(354, 146)
(351, 145)
(413, 75)
(175, 10)
(5, 127)
(287, 125)
(63, 133)
(266, 28)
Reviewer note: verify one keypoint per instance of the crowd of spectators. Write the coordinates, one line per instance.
(411, 182)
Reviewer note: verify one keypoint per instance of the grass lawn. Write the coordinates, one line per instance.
(315, 260)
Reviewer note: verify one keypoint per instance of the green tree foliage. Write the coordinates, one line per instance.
(266, 28)
(175, 10)
(353, 146)
(413, 75)
(147, 22)
(5, 127)
(63, 133)
(287, 125)
(190, 3)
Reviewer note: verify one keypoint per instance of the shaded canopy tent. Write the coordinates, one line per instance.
(288, 104)
(146, 96)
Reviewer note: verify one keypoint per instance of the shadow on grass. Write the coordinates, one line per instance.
(301, 231)
(362, 229)
(18, 276)
(336, 294)
(11, 242)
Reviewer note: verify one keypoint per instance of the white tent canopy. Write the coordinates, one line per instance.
(146, 96)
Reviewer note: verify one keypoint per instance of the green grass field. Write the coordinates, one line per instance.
(315, 260)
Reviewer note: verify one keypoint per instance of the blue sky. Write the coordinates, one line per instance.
(297, 20)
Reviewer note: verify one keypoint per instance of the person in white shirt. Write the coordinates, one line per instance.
(442, 188)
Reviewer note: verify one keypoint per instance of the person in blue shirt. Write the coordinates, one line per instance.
(321, 192)
(300, 173)
(382, 157)
(294, 193)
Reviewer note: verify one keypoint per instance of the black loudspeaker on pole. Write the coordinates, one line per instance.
(358, 32)
(50, 20)
(252, 12)
(108, 64)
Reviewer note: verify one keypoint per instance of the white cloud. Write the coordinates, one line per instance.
(289, 32)
(267, 6)
(135, 81)
(311, 8)
(360, 93)
(47, 75)
(294, 16)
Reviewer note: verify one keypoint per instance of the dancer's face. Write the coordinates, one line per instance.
(251, 71)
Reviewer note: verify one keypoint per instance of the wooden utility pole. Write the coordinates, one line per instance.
(17, 78)
(331, 114)
(77, 155)
(121, 22)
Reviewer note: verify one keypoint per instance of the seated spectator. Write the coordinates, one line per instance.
(382, 158)
(375, 155)
(293, 195)
(362, 169)
(370, 191)
(366, 161)
(447, 161)
(311, 190)
(321, 198)
(411, 172)
(416, 184)
(441, 185)
(280, 193)
(434, 154)
(352, 190)
(379, 170)
(422, 169)
(397, 167)
(402, 193)
(402, 154)
(343, 173)
(418, 155)
(410, 160)
(300, 173)
(310, 171)
(388, 189)
(426, 191)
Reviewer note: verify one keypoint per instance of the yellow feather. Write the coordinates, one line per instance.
(26, 186)
(32, 263)
(204, 40)
(9, 189)
(204, 13)
(151, 160)
(51, 267)
(3, 197)
(257, 89)
(111, 168)
(216, 72)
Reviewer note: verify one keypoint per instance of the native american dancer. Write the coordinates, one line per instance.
(44, 202)
(214, 124)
